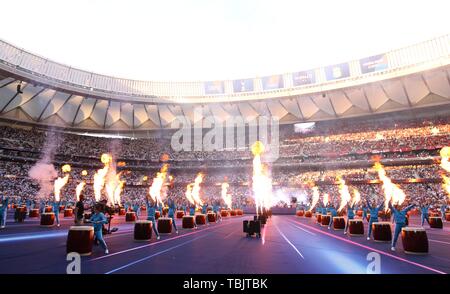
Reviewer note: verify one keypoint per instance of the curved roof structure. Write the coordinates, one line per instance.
(62, 96)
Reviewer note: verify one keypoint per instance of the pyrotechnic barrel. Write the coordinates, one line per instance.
(80, 239)
(122, 211)
(180, 214)
(200, 219)
(233, 212)
(130, 216)
(319, 218)
(157, 214)
(355, 227)
(326, 219)
(414, 240)
(68, 212)
(62, 208)
(436, 222)
(143, 230)
(447, 216)
(239, 212)
(188, 222)
(34, 213)
(47, 219)
(87, 216)
(164, 225)
(300, 213)
(224, 213)
(308, 214)
(48, 209)
(382, 232)
(20, 213)
(211, 217)
(338, 223)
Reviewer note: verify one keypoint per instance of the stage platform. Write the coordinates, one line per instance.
(289, 245)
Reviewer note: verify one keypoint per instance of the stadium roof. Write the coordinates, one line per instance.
(59, 95)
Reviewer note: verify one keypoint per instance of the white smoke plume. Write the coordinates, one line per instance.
(43, 171)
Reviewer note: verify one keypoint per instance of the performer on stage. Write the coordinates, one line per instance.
(350, 215)
(151, 209)
(400, 220)
(172, 209)
(3, 211)
(443, 210)
(137, 209)
(373, 210)
(331, 209)
(56, 205)
(79, 210)
(98, 219)
(424, 213)
(216, 209)
(192, 213)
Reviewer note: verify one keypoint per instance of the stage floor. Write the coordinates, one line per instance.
(289, 245)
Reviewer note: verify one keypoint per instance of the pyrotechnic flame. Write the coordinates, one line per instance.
(446, 184)
(262, 184)
(356, 197)
(66, 168)
(59, 183)
(114, 187)
(188, 194)
(100, 176)
(325, 199)
(315, 197)
(196, 189)
(84, 173)
(225, 196)
(391, 191)
(79, 188)
(344, 193)
(445, 155)
(157, 184)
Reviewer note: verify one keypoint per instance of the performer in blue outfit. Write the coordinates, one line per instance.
(373, 210)
(350, 215)
(424, 213)
(137, 209)
(400, 221)
(3, 211)
(443, 210)
(216, 209)
(172, 209)
(98, 219)
(332, 210)
(151, 209)
(192, 213)
(56, 205)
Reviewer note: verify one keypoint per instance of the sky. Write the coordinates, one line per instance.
(190, 40)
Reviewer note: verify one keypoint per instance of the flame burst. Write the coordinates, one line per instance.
(344, 193)
(66, 168)
(225, 196)
(262, 183)
(196, 189)
(59, 183)
(79, 189)
(315, 197)
(100, 176)
(326, 199)
(445, 155)
(188, 194)
(356, 197)
(114, 187)
(446, 184)
(391, 191)
(445, 164)
(157, 184)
